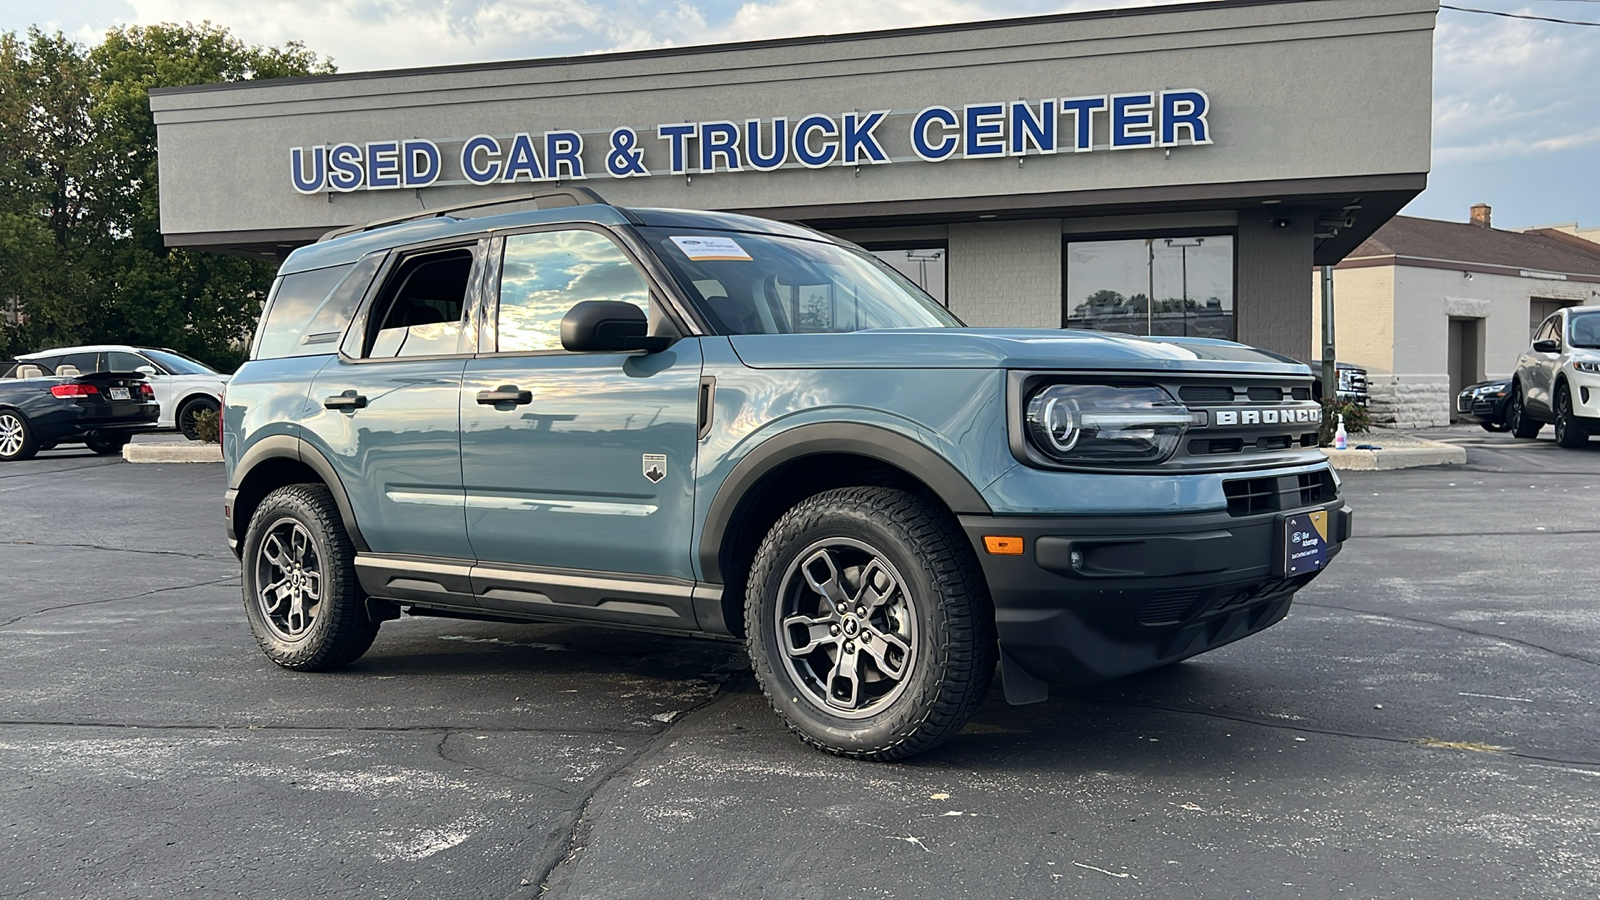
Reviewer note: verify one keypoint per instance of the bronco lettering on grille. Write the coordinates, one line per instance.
(1223, 417)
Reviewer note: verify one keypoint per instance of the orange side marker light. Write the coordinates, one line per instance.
(1002, 546)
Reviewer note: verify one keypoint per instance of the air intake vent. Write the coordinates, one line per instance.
(1316, 487)
(1250, 496)
(1196, 393)
(1266, 394)
(1302, 393)
(1168, 607)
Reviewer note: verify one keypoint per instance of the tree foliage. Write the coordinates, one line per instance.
(81, 254)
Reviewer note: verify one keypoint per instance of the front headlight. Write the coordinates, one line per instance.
(1092, 423)
(1592, 368)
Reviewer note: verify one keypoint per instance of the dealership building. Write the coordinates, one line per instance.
(1161, 170)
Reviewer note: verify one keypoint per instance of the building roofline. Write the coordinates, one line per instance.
(1424, 262)
(693, 49)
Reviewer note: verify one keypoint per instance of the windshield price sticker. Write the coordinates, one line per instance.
(699, 249)
(1305, 545)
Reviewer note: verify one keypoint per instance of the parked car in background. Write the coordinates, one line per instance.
(1486, 402)
(1352, 381)
(1557, 380)
(100, 409)
(184, 387)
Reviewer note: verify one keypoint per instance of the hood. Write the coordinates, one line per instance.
(997, 348)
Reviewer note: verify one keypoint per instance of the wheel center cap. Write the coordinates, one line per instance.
(850, 626)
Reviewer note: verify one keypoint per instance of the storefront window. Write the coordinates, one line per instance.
(925, 266)
(1110, 283)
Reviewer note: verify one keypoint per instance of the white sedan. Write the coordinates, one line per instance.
(1558, 379)
(183, 386)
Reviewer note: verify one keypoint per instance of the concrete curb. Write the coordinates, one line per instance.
(173, 452)
(1405, 453)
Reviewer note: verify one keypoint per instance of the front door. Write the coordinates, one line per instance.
(577, 461)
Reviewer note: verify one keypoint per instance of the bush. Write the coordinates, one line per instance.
(205, 425)
(1356, 419)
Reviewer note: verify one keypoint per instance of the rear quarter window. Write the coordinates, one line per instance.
(304, 315)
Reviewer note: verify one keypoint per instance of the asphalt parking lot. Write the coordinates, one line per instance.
(1422, 725)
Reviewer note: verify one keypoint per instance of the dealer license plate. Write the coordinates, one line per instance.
(121, 394)
(1305, 542)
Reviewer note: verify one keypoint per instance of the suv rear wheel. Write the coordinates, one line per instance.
(305, 606)
(869, 623)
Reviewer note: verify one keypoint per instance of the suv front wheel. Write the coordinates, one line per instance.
(305, 606)
(869, 624)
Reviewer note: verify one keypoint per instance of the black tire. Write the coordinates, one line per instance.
(16, 437)
(312, 615)
(1521, 424)
(107, 446)
(186, 414)
(1569, 431)
(916, 603)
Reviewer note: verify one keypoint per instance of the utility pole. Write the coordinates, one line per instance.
(1330, 373)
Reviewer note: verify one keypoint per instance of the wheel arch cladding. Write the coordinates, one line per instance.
(800, 463)
(282, 460)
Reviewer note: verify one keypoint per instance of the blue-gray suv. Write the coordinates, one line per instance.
(706, 424)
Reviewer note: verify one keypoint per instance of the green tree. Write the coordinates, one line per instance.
(82, 205)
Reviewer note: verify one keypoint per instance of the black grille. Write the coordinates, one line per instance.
(1219, 445)
(1249, 496)
(1205, 393)
(1301, 393)
(1266, 394)
(1168, 607)
(1252, 496)
(1316, 487)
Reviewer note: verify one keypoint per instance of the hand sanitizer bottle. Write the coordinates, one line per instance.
(1341, 440)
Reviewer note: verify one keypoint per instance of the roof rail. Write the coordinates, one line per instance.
(552, 198)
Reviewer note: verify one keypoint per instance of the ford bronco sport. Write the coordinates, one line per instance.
(706, 424)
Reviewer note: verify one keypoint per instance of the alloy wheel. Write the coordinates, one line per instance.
(11, 435)
(290, 576)
(847, 625)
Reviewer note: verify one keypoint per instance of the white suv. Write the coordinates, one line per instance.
(183, 386)
(1558, 379)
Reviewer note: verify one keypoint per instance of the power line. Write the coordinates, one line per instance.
(1507, 15)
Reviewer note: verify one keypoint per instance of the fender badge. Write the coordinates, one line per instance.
(655, 467)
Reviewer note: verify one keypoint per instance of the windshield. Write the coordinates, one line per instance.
(1583, 330)
(765, 284)
(178, 364)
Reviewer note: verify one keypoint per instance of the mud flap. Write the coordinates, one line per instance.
(1021, 688)
(382, 610)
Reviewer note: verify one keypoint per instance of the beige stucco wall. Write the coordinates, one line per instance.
(1394, 322)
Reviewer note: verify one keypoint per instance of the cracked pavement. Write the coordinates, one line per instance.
(1422, 725)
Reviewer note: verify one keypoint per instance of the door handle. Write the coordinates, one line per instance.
(505, 393)
(348, 400)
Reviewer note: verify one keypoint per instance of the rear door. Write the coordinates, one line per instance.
(1542, 367)
(577, 461)
(387, 414)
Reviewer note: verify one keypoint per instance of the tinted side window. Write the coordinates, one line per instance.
(293, 301)
(83, 362)
(122, 361)
(419, 312)
(545, 274)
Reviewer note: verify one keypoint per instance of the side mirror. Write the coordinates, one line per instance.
(608, 326)
(1548, 345)
(149, 371)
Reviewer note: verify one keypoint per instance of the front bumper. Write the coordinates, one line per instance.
(1585, 396)
(1143, 591)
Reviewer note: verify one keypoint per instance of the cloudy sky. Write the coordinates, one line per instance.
(1514, 100)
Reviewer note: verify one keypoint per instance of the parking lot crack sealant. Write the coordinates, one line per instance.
(230, 579)
(1459, 628)
(579, 821)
